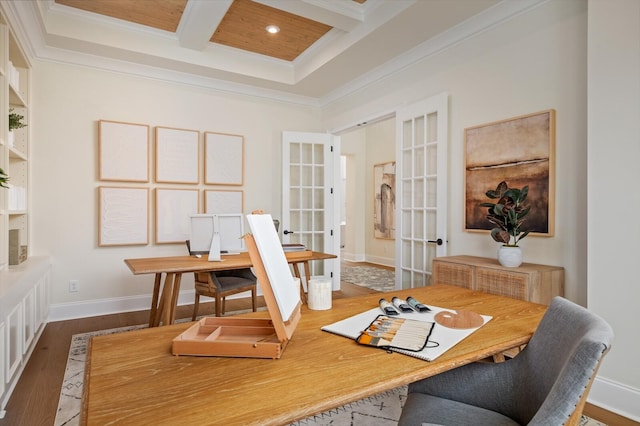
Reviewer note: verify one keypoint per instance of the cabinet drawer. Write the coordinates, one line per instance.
(510, 284)
(453, 274)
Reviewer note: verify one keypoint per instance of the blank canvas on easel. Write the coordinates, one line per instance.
(285, 289)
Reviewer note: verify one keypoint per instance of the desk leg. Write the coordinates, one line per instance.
(174, 297)
(307, 273)
(164, 307)
(154, 301)
(296, 271)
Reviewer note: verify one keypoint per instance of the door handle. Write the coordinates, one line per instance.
(438, 241)
(285, 232)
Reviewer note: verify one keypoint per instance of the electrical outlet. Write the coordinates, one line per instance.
(73, 286)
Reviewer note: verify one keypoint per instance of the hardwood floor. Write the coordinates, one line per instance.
(35, 399)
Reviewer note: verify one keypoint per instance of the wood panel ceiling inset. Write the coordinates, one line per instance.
(243, 27)
(163, 15)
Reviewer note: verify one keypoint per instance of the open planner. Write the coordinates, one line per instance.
(439, 338)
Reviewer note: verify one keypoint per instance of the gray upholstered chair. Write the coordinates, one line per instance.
(221, 284)
(546, 384)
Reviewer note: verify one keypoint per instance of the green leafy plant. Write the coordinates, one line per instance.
(15, 120)
(3, 179)
(508, 214)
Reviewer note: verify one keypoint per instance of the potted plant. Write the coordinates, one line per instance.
(15, 122)
(507, 215)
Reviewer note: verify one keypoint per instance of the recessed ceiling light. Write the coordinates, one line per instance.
(273, 29)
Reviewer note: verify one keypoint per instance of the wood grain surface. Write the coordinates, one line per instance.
(132, 378)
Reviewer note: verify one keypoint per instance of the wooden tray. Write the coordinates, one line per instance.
(231, 337)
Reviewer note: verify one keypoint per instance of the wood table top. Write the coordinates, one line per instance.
(182, 264)
(132, 379)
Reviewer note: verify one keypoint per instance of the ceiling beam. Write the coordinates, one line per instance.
(345, 18)
(199, 21)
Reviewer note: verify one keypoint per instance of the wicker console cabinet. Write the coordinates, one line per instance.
(530, 282)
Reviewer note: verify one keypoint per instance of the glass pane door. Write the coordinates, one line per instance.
(421, 221)
(310, 165)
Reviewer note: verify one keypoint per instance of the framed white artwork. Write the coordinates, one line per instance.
(224, 158)
(124, 151)
(124, 216)
(177, 159)
(223, 201)
(174, 208)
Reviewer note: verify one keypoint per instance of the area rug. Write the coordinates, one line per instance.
(379, 410)
(368, 276)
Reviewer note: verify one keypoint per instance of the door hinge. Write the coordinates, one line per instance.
(331, 148)
(331, 192)
(331, 232)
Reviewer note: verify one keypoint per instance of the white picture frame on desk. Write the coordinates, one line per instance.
(230, 230)
(174, 207)
(224, 159)
(124, 216)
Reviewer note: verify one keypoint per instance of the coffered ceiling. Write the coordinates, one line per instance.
(325, 48)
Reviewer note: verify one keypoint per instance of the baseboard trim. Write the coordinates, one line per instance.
(386, 261)
(116, 305)
(615, 397)
(352, 257)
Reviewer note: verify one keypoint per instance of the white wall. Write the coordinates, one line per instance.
(353, 146)
(68, 101)
(613, 226)
(531, 63)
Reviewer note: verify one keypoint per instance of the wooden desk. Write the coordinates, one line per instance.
(132, 378)
(163, 304)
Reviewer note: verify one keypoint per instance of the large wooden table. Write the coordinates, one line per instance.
(164, 301)
(132, 378)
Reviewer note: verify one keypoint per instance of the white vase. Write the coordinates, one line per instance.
(510, 256)
(10, 138)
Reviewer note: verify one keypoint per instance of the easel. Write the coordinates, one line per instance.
(242, 337)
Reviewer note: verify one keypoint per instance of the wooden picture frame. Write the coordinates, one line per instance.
(520, 151)
(223, 201)
(124, 216)
(384, 187)
(123, 151)
(177, 155)
(224, 159)
(174, 208)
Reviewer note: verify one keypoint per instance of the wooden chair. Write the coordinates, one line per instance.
(221, 284)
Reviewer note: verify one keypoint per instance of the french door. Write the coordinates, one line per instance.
(310, 185)
(421, 193)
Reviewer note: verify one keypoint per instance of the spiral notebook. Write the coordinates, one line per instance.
(439, 341)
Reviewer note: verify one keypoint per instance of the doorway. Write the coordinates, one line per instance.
(416, 139)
